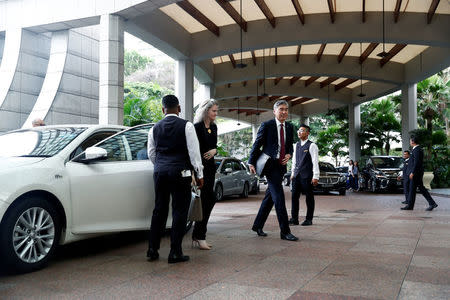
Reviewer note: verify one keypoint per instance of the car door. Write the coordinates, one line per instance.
(238, 176)
(117, 193)
(227, 177)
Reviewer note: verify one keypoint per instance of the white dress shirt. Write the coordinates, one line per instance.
(314, 151)
(278, 134)
(192, 145)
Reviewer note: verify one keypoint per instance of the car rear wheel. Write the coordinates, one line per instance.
(29, 234)
(244, 193)
(219, 192)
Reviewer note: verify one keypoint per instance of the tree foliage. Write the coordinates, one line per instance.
(142, 103)
(133, 62)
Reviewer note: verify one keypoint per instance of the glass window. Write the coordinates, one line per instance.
(226, 165)
(37, 143)
(236, 166)
(387, 162)
(136, 140)
(218, 162)
(91, 141)
(326, 167)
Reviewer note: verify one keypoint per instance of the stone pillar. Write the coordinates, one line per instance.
(111, 70)
(304, 120)
(254, 132)
(354, 124)
(184, 88)
(409, 112)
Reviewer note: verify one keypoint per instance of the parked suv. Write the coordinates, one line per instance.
(380, 173)
(233, 178)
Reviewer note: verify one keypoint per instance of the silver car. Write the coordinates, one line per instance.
(233, 178)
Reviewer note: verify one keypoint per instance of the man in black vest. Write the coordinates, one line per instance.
(416, 177)
(174, 149)
(305, 174)
(405, 175)
(275, 137)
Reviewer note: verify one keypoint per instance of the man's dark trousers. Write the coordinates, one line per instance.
(181, 194)
(274, 195)
(406, 181)
(302, 186)
(417, 182)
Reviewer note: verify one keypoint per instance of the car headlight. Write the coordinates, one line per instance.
(379, 174)
(342, 179)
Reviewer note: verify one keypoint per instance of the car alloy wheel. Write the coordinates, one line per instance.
(219, 192)
(245, 191)
(29, 234)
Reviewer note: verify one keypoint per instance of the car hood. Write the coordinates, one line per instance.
(14, 162)
(330, 174)
(389, 169)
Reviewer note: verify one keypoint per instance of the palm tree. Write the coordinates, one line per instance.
(332, 141)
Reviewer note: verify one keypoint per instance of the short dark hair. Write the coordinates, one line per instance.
(414, 139)
(407, 151)
(305, 126)
(170, 101)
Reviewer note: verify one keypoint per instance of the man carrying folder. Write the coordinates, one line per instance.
(275, 137)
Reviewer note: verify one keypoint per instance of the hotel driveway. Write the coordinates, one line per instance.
(360, 246)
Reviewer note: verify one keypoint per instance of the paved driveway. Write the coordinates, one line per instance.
(361, 245)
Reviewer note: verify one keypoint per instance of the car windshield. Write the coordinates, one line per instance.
(387, 162)
(326, 167)
(37, 143)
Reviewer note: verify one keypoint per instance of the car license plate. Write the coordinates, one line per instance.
(327, 185)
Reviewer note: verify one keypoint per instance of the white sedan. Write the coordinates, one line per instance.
(55, 188)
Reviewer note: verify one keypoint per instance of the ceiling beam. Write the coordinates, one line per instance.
(432, 10)
(201, 18)
(233, 62)
(278, 80)
(253, 58)
(289, 98)
(266, 11)
(343, 51)
(394, 51)
(363, 11)
(272, 98)
(332, 11)
(311, 80)
(294, 79)
(328, 81)
(297, 57)
(229, 9)
(299, 11)
(397, 10)
(300, 101)
(344, 83)
(319, 54)
(367, 52)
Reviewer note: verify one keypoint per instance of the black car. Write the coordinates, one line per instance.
(380, 174)
(330, 179)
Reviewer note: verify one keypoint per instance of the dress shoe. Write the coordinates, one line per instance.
(431, 207)
(293, 221)
(406, 208)
(405, 202)
(201, 244)
(288, 237)
(259, 231)
(176, 258)
(152, 254)
(307, 223)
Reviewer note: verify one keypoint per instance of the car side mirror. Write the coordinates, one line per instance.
(228, 171)
(93, 154)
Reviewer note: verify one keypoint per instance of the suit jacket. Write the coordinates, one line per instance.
(416, 164)
(407, 167)
(267, 138)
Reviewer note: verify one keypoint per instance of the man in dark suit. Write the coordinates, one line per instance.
(275, 137)
(174, 150)
(405, 174)
(416, 177)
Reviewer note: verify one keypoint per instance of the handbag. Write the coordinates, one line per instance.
(195, 212)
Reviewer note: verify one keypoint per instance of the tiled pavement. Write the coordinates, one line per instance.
(361, 246)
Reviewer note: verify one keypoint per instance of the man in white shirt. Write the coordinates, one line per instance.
(174, 150)
(305, 174)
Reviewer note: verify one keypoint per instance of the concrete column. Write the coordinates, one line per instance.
(304, 120)
(254, 132)
(111, 70)
(354, 124)
(184, 87)
(409, 112)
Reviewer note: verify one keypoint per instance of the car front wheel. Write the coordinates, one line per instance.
(219, 192)
(245, 191)
(29, 234)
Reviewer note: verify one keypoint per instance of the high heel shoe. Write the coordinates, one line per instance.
(201, 244)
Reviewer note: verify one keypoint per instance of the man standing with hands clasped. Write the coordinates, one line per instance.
(305, 175)
(275, 137)
(174, 149)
